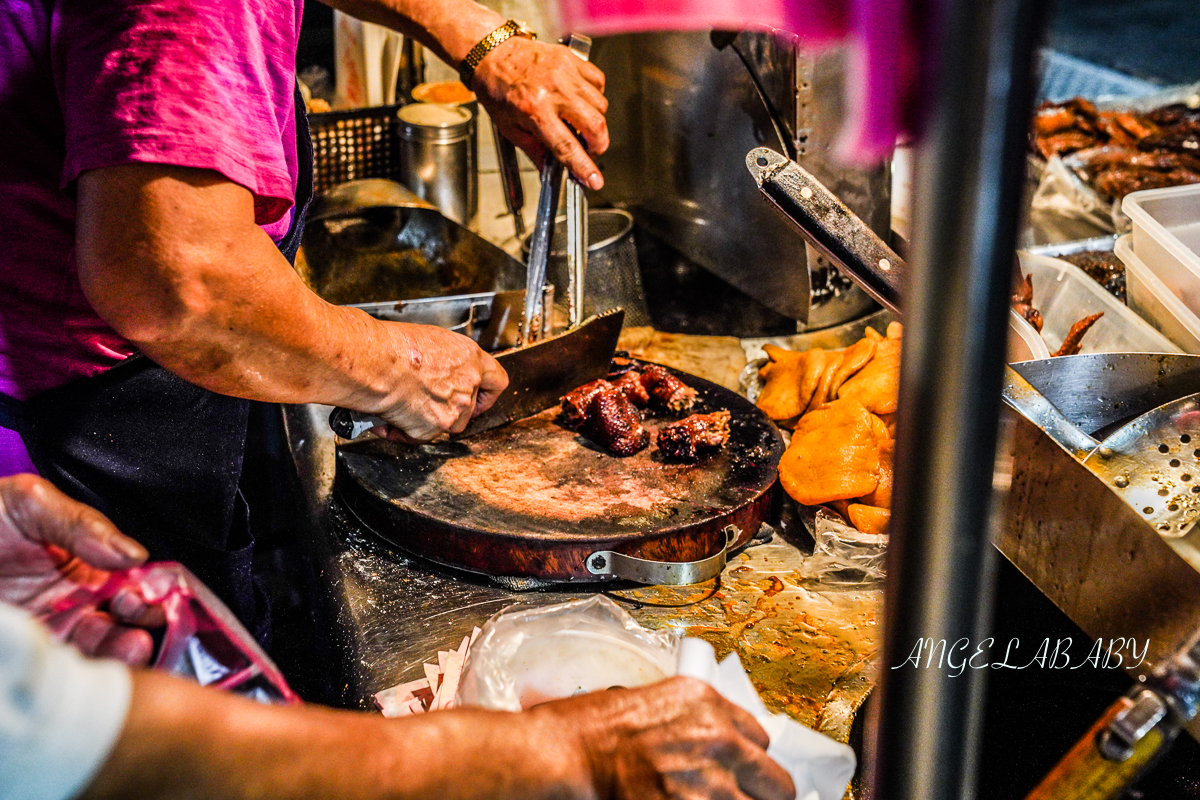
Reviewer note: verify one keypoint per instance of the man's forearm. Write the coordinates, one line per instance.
(168, 257)
(184, 741)
(450, 28)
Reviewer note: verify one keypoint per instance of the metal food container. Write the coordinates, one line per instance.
(437, 159)
(452, 93)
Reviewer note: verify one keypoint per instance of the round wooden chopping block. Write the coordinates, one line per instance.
(534, 499)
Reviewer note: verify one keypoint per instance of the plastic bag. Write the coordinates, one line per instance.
(202, 641)
(843, 555)
(526, 656)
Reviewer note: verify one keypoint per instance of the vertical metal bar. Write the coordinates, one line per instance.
(969, 179)
(577, 250)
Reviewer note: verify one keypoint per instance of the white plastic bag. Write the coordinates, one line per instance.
(527, 656)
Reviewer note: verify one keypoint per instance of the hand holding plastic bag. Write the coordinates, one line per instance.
(53, 548)
(202, 640)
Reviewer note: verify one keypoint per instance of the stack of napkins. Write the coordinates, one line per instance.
(820, 767)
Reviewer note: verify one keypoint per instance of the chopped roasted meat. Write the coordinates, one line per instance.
(576, 402)
(666, 390)
(688, 438)
(1119, 152)
(631, 384)
(1074, 340)
(613, 423)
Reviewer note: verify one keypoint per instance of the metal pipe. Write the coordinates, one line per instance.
(969, 179)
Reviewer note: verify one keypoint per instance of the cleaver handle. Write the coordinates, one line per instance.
(353, 424)
(829, 225)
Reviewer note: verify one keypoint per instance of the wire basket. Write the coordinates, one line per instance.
(355, 144)
(613, 276)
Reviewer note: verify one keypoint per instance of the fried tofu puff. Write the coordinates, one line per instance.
(877, 385)
(791, 380)
(834, 455)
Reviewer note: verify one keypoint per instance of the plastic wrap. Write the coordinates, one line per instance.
(843, 555)
(202, 640)
(526, 656)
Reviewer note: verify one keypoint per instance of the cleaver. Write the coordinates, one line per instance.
(539, 374)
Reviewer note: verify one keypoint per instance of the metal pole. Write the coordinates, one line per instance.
(969, 180)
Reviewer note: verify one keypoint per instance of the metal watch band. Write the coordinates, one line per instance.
(489, 43)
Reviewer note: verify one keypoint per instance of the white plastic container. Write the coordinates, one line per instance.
(1064, 294)
(1166, 237)
(1155, 302)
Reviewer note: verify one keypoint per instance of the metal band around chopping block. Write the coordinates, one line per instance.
(662, 573)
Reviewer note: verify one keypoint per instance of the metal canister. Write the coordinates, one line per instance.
(452, 93)
(437, 160)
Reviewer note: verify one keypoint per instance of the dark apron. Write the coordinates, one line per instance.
(161, 457)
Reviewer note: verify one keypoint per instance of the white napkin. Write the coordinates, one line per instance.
(820, 767)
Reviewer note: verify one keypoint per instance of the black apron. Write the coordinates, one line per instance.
(159, 456)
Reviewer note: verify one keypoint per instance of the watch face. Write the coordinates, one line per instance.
(523, 29)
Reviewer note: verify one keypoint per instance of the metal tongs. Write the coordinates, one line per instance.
(536, 322)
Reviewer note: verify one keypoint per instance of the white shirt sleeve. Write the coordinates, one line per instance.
(60, 713)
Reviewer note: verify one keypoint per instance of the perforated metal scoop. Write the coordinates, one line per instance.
(1153, 463)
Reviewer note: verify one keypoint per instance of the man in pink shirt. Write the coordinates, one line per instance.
(151, 165)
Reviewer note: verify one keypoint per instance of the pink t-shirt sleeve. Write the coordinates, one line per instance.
(193, 83)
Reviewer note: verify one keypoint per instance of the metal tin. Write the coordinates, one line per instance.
(437, 160)
(451, 93)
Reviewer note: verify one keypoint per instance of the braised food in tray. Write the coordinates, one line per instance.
(1022, 303)
(1119, 152)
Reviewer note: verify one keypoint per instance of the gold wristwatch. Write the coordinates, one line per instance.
(514, 27)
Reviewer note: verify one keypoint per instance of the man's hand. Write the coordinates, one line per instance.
(50, 546)
(533, 90)
(448, 380)
(675, 739)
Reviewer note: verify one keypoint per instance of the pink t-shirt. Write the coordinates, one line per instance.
(86, 84)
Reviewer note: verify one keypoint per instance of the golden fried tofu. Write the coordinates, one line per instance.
(834, 455)
(791, 379)
(882, 496)
(854, 358)
(869, 519)
(873, 335)
(895, 330)
(825, 383)
(877, 385)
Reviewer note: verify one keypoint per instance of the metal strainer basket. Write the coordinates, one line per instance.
(613, 277)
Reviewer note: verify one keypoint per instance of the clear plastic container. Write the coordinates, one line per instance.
(1024, 343)
(1064, 294)
(1166, 237)
(1155, 302)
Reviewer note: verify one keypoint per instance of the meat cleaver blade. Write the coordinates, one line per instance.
(539, 374)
